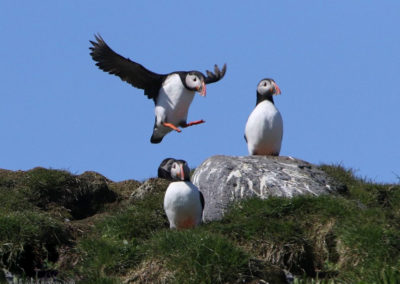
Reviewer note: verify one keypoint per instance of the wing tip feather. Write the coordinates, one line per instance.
(217, 75)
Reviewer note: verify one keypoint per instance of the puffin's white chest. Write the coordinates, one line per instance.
(182, 205)
(264, 130)
(173, 101)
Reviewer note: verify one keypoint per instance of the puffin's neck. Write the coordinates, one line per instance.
(266, 97)
(182, 75)
(179, 180)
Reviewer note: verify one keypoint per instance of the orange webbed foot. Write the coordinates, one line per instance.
(173, 127)
(194, 123)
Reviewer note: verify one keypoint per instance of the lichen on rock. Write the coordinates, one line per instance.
(224, 179)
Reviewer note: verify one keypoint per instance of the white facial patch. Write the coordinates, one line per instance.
(264, 86)
(192, 81)
(175, 170)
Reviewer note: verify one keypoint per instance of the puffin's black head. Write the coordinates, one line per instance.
(164, 170)
(174, 170)
(194, 81)
(266, 89)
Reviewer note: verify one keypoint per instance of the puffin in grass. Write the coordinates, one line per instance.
(183, 202)
(172, 93)
(264, 127)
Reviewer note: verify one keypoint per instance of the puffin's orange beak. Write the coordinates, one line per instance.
(203, 89)
(182, 175)
(277, 89)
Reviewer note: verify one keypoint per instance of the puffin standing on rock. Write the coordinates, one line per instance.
(183, 202)
(264, 127)
(172, 93)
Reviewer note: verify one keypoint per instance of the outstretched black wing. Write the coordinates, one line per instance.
(129, 71)
(216, 76)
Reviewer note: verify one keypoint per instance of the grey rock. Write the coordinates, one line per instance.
(224, 179)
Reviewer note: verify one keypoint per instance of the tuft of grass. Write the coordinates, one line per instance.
(100, 280)
(332, 236)
(82, 195)
(28, 240)
(104, 259)
(199, 257)
(389, 275)
(281, 230)
(369, 235)
(342, 175)
(14, 199)
(47, 186)
(136, 221)
(11, 179)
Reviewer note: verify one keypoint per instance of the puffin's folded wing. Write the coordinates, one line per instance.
(216, 76)
(129, 71)
(202, 200)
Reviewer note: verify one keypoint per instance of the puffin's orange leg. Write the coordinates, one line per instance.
(194, 123)
(170, 125)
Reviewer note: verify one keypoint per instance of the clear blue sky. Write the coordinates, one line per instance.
(336, 62)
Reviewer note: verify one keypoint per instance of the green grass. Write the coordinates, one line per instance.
(105, 258)
(348, 238)
(47, 186)
(353, 238)
(388, 275)
(329, 235)
(136, 221)
(82, 195)
(34, 206)
(199, 257)
(29, 239)
(113, 246)
(12, 200)
(139, 234)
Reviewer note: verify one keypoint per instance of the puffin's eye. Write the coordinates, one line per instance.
(265, 84)
(195, 79)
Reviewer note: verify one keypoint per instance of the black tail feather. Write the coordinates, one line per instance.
(155, 140)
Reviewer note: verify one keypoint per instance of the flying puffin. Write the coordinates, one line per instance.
(172, 93)
(183, 202)
(264, 127)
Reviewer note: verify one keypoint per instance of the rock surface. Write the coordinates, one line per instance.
(223, 179)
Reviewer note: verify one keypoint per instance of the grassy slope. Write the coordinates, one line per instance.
(349, 238)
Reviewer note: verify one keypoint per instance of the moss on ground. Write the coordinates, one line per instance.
(348, 238)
